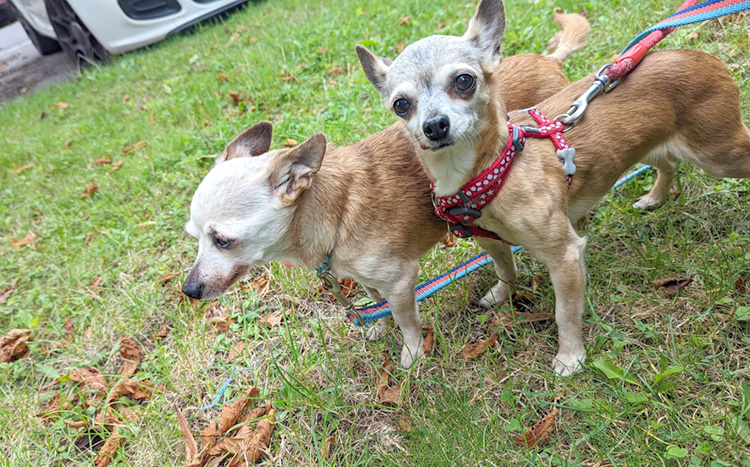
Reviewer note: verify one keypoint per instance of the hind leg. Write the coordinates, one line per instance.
(666, 166)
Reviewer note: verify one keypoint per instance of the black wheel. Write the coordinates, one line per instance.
(45, 45)
(74, 37)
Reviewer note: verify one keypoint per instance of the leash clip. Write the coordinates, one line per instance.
(602, 83)
(332, 285)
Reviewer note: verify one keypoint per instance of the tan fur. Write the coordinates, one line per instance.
(676, 105)
(572, 37)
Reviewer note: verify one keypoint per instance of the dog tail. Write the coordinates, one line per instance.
(575, 30)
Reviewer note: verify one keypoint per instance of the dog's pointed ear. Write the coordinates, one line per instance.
(375, 67)
(254, 141)
(292, 170)
(487, 27)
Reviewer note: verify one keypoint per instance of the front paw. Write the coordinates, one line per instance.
(568, 364)
(497, 294)
(410, 354)
(648, 201)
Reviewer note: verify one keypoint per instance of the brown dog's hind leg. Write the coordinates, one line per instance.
(666, 165)
(564, 256)
(505, 268)
(403, 304)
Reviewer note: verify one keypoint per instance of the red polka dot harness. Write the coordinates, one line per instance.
(466, 205)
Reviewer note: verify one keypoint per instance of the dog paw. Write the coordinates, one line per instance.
(497, 294)
(568, 364)
(648, 201)
(409, 355)
(374, 331)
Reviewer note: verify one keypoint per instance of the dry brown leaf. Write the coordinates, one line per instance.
(448, 239)
(741, 285)
(7, 292)
(28, 240)
(134, 147)
(162, 332)
(429, 340)
(221, 322)
(125, 98)
(93, 379)
(259, 284)
(236, 97)
(674, 192)
(191, 448)
(168, 277)
(232, 412)
(386, 393)
(89, 190)
(208, 436)
(103, 160)
(325, 447)
(221, 77)
(76, 425)
(60, 105)
(131, 354)
(672, 284)
(13, 345)
(517, 317)
(404, 20)
(541, 430)
(473, 351)
(367, 110)
(117, 165)
(332, 82)
(137, 390)
(54, 407)
(400, 47)
(237, 349)
(403, 424)
(69, 328)
(348, 287)
(96, 284)
(109, 449)
(262, 438)
(287, 77)
(290, 143)
(693, 35)
(335, 70)
(271, 320)
(20, 168)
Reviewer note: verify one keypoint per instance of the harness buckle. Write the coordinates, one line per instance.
(464, 211)
(602, 83)
(461, 228)
(517, 143)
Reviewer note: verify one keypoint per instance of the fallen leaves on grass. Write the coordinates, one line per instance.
(93, 380)
(400, 47)
(429, 340)
(260, 284)
(134, 147)
(89, 190)
(236, 97)
(672, 284)
(13, 345)
(474, 351)
(237, 349)
(7, 292)
(60, 105)
(108, 450)
(335, 70)
(241, 443)
(103, 160)
(162, 332)
(287, 77)
(325, 447)
(20, 168)
(28, 240)
(217, 316)
(117, 165)
(168, 277)
(518, 317)
(271, 320)
(741, 285)
(404, 20)
(542, 430)
(348, 287)
(131, 355)
(387, 394)
(290, 143)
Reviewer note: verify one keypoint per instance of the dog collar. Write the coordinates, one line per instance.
(466, 205)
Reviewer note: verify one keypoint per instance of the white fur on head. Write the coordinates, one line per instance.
(254, 141)
(487, 27)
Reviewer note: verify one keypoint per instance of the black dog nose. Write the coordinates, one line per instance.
(436, 128)
(193, 289)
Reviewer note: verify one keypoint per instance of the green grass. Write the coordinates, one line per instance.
(319, 371)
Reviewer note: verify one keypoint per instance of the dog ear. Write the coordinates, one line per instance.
(375, 67)
(487, 27)
(292, 170)
(254, 141)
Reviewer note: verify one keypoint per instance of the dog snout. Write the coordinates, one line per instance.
(193, 289)
(436, 128)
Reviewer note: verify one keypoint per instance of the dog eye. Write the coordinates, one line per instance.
(465, 82)
(401, 107)
(222, 243)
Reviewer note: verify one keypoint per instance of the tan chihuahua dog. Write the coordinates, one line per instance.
(676, 105)
(367, 205)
